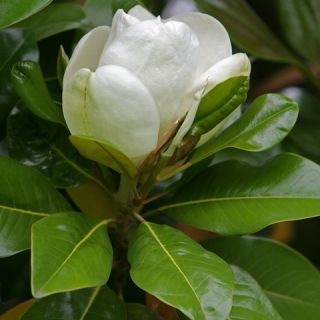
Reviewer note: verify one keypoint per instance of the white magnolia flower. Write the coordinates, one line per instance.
(130, 84)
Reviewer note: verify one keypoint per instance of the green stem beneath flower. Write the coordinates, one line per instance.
(125, 192)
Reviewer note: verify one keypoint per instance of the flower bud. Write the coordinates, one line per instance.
(130, 84)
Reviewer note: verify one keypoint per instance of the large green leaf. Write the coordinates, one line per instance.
(189, 173)
(288, 279)
(45, 146)
(29, 83)
(266, 122)
(99, 12)
(26, 196)
(99, 303)
(56, 18)
(175, 269)
(246, 29)
(234, 197)
(136, 311)
(16, 45)
(249, 300)
(300, 23)
(219, 103)
(181, 316)
(16, 10)
(69, 251)
(101, 151)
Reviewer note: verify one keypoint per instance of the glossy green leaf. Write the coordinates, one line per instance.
(26, 196)
(234, 197)
(16, 10)
(45, 146)
(181, 316)
(28, 82)
(99, 303)
(62, 63)
(246, 29)
(136, 311)
(266, 122)
(189, 173)
(219, 103)
(56, 18)
(289, 280)
(16, 45)
(101, 151)
(175, 269)
(69, 251)
(249, 300)
(300, 24)
(99, 12)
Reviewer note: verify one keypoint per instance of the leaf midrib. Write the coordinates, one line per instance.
(24, 211)
(87, 236)
(90, 302)
(180, 204)
(230, 142)
(272, 293)
(176, 265)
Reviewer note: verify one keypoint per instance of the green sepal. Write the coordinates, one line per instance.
(62, 63)
(219, 103)
(265, 123)
(105, 153)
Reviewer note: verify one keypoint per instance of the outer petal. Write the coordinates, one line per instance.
(117, 107)
(163, 56)
(74, 103)
(87, 52)
(141, 13)
(213, 38)
(236, 65)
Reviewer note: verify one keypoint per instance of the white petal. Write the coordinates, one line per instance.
(118, 108)
(120, 22)
(163, 56)
(213, 38)
(187, 123)
(87, 52)
(236, 65)
(74, 103)
(141, 13)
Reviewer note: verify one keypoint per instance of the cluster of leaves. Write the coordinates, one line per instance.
(71, 253)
